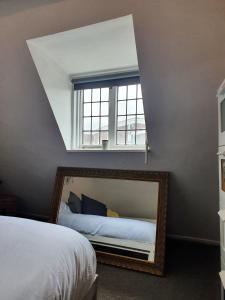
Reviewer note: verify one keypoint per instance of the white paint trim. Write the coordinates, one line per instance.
(193, 239)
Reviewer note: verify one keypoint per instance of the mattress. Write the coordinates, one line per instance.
(43, 261)
(121, 228)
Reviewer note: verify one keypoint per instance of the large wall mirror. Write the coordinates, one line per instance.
(121, 212)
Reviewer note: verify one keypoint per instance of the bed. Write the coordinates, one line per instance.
(124, 236)
(42, 261)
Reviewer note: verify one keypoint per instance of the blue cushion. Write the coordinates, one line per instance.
(74, 203)
(92, 207)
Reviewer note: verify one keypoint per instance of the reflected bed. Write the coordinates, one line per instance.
(124, 236)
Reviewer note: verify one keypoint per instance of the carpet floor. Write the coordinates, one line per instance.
(191, 274)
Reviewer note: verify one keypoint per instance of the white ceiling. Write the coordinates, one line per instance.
(101, 47)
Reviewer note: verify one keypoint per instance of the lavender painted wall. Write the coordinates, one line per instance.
(181, 47)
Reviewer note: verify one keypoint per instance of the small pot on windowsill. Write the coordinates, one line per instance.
(105, 144)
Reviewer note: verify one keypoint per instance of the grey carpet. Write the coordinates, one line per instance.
(191, 274)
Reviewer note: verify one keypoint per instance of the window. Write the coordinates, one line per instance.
(130, 119)
(112, 113)
(95, 116)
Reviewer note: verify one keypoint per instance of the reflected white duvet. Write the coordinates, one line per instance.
(120, 228)
(41, 261)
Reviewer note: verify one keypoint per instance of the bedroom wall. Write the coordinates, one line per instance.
(181, 50)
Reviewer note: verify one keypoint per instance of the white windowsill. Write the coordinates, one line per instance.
(127, 149)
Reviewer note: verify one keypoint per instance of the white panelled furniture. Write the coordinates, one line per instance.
(221, 161)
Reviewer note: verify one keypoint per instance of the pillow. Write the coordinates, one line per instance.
(74, 203)
(64, 208)
(93, 207)
(112, 214)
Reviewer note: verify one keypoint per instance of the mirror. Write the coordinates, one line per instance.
(122, 213)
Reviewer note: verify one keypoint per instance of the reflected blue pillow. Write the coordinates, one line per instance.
(92, 207)
(74, 203)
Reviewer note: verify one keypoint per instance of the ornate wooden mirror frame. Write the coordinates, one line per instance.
(156, 267)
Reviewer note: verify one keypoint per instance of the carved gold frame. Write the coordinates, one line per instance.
(156, 267)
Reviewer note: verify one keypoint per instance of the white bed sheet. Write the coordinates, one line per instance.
(42, 261)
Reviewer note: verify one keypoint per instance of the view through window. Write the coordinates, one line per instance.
(115, 114)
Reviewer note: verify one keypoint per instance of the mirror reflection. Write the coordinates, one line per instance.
(122, 221)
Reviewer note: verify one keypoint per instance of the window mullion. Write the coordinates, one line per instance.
(112, 115)
(80, 104)
(73, 120)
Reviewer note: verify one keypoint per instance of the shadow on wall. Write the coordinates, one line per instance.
(9, 7)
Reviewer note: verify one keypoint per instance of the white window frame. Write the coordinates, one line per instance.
(77, 116)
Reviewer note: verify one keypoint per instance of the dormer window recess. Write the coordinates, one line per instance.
(103, 109)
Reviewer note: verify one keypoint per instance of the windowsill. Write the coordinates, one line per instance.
(127, 149)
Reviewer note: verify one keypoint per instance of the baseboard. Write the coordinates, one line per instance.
(193, 239)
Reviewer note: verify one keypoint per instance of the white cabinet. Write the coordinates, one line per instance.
(221, 114)
(221, 166)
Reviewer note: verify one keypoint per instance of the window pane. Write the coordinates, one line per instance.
(104, 108)
(140, 137)
(96, 109)
(86, 138)
(95, 95)
(131, 122)
(139, 92)
(132, 91)
(121, 123)
(122, 107)
(87, 124)
(95, 123)
(131, 107)
(140, 122)
(121, 137)
(105, 94)
(130, 137)
(95, 138)
(104, 123)
(87, 95)
(122, 92)
(140, 108)
(104, 135)
(87, 109)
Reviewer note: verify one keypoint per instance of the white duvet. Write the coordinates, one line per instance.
(41, 261)
(120, 228)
